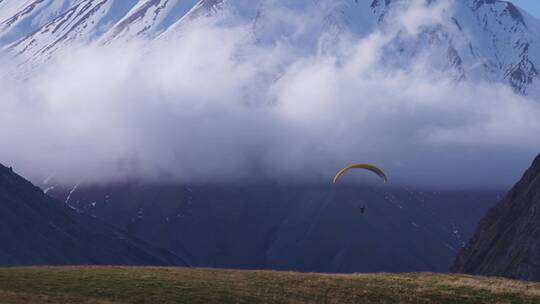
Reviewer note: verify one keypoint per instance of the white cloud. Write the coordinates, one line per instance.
(214, 107)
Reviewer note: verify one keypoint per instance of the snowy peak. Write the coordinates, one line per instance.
(148, 18)
(511, 41)
(81, 22)
(502, 8)
(496, 40)
(202, 9)
(489, 40)
(19, 18)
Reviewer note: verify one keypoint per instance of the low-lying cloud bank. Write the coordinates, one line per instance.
(215, 107)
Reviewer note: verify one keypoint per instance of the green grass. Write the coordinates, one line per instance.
(190, 285)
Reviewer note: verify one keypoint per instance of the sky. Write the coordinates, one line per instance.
(214, 107)
(532, 6)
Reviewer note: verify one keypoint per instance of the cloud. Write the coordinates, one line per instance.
(214, 106)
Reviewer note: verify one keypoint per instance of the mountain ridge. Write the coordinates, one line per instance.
(37, 230)
(507, 239)
(483, 40)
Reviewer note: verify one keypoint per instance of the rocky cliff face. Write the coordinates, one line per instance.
(507, 240)
(36, 230)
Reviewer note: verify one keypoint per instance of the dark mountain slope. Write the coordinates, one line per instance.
(36, 229)
(507, 240)
(293, 227)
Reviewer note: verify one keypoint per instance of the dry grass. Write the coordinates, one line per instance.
(8, 297)
(177, 285)
(494, 285)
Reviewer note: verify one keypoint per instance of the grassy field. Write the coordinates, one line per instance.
(189, 285)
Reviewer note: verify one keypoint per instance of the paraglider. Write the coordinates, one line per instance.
(368, 167)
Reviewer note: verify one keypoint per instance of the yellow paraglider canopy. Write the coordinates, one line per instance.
(369, 167)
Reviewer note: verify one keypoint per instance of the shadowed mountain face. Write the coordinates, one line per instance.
(36, 230)
(507, 240)
(293, 227)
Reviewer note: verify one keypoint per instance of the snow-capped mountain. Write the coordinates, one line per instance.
(20, 18)
(473, 39)
(507, 38)
(149, 17)
(82, 22)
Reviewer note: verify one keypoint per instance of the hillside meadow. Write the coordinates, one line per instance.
(190, 285)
